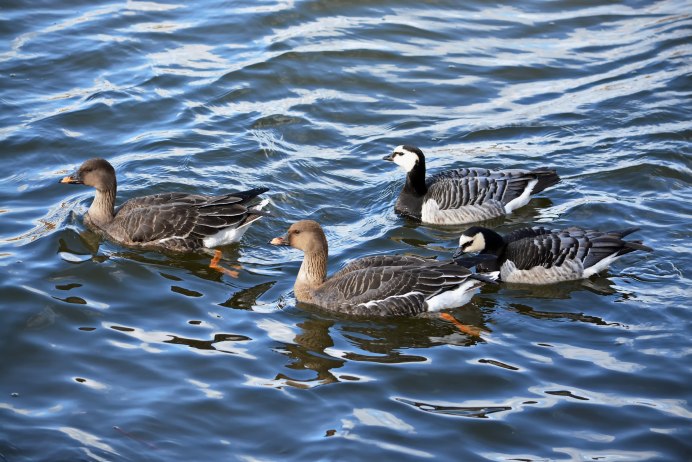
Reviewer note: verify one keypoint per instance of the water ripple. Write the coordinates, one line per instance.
(118, 353)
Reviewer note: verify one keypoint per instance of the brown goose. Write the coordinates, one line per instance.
(174, 222)
(381, 285)
(463, 195)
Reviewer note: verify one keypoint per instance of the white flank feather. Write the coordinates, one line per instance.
(523, 199)
(601, 265)
(226, 236)
(494, 275)
(229, 235)
(260, 205)
(454, 298)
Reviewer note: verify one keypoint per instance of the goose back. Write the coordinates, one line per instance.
(538, 255)
(179, 221)
(405, 290)
(466, 195)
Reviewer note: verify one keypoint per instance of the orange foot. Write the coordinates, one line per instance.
(468, 330)
(214, 264)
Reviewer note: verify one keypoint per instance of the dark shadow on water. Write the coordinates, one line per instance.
(207, 344)
(307, 353)
(246, 299)
(373, 340)
(84, 246)
(561, 290)
(528, 311)
(390, 340)
(481, 412)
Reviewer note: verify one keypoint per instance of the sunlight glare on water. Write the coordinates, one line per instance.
(110, 353)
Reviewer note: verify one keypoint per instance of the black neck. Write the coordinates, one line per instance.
(494, 243)
(415, 180)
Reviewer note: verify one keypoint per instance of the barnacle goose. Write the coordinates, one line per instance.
(463, 195)
(543, 256)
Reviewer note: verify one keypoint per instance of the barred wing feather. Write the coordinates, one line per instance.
(389, 290)
(453, 189)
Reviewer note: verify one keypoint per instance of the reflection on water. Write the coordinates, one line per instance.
(113, 353)
(247, 299)
(74, 248)
(461, 411)
(310, 344)
(564, 290)
(527, 310)
(307, 353)
(214, 344)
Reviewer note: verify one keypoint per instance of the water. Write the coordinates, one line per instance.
(114, 354)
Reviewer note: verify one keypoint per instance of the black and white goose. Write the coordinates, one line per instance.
(464, 195)
(174, 222)
(542, 256)
(381, 285)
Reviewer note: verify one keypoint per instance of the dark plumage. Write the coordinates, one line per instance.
(176, 222)
(540, 256)
(464, 195)
(381, 285)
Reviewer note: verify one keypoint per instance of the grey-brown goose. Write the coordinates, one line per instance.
(543, 256)
(381, 285)
(174, 222)
(463, 195)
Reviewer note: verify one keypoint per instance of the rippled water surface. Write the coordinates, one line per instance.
(113, 354)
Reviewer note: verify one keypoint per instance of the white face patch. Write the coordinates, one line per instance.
(404, 158)
(477, 243)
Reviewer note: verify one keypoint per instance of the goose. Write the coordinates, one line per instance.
(379, 285)
(542, 256)
(173, 222)
(463, 195)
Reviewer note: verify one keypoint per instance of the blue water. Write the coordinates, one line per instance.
(107, 353)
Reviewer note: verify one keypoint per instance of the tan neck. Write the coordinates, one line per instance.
(312, 274)
(101, 210)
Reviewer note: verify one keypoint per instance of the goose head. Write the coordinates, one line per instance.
(478, 239)
(407, 157)
(96, 172)
(305, 235)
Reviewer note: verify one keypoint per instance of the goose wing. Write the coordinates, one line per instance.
(603, 244)
(182, 216)
(551, 248)
(390, 290)
(375, 261)
(523, 233)
(453, 189)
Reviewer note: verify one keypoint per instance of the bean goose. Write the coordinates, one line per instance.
(381, 285)
(463, 195)
(542, 256)
(175, 222)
